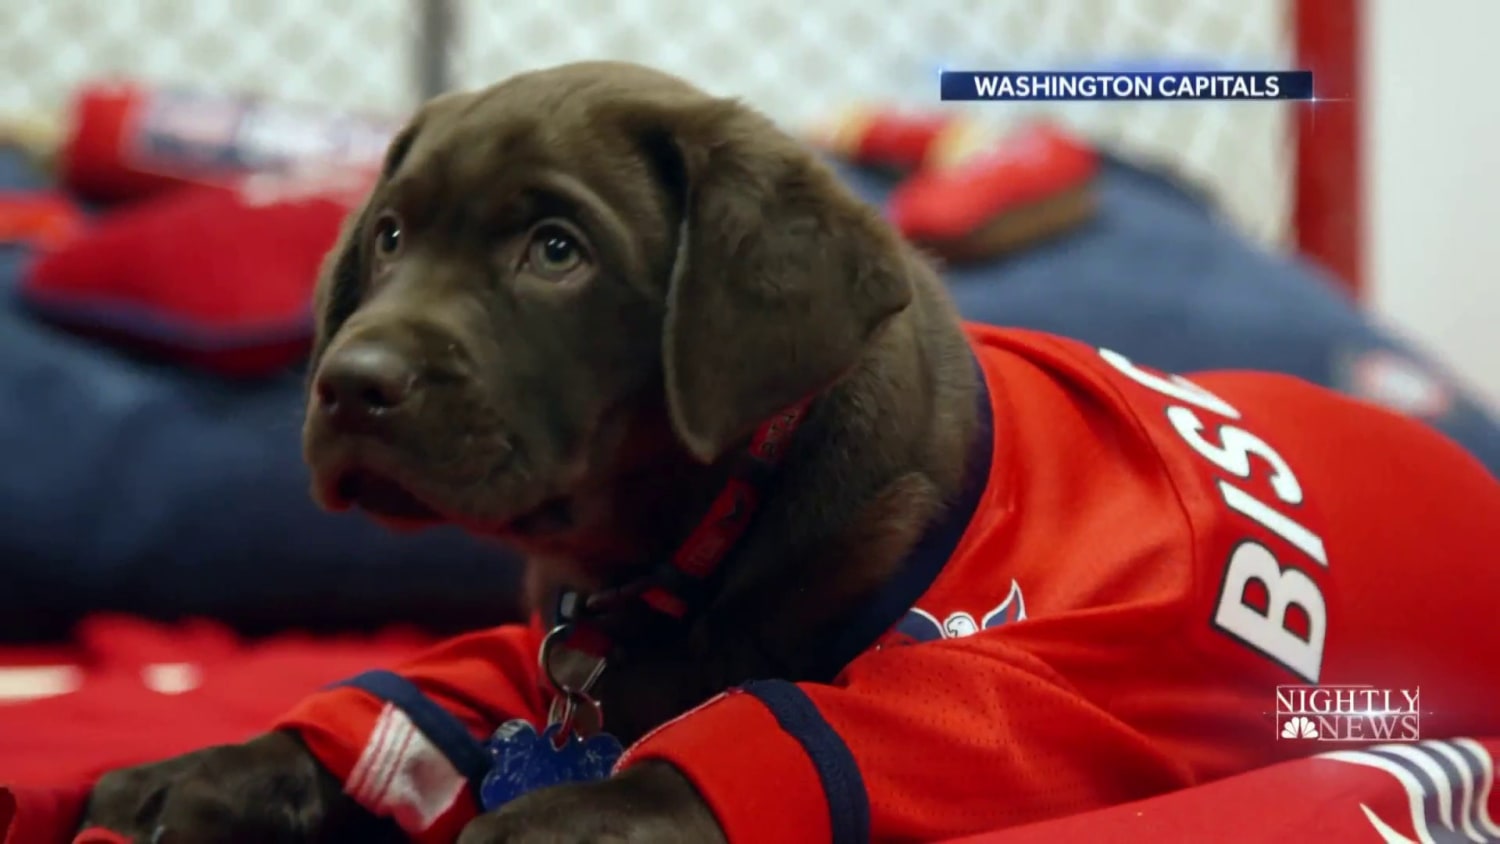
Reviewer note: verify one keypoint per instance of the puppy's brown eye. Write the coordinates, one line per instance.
(555, 252)
(387, 236)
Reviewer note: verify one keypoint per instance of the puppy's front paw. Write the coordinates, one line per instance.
(267, 790)
(651, 802)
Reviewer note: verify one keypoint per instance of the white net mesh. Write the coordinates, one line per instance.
(356, 55)
(797, 61)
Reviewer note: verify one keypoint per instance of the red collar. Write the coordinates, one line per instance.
(679, 585)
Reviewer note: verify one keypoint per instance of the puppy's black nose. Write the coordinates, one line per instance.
(363, 382)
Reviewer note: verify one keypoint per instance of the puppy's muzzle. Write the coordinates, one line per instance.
(364, 387)
(366, 391)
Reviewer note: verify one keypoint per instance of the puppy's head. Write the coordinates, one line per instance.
(572, 274)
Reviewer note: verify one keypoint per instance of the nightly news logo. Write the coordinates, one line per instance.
(1348, 713)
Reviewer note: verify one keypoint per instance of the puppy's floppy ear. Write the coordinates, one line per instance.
(782, 277)
(339, 281)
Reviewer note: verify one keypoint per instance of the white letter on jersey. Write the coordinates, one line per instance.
(1258, 511)
(1234, 455)
(1268, 633)
(1173, 385)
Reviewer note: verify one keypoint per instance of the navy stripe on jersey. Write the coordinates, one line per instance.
(843, 787)
(439, 725)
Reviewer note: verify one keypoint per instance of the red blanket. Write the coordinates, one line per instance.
(127, 692)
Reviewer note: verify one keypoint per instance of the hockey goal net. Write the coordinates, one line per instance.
(1287, 174)
(797, 60)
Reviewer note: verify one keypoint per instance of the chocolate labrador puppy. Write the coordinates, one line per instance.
(564, 309)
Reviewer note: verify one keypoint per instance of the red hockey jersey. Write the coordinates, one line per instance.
(1439, 790)
(1153, 572)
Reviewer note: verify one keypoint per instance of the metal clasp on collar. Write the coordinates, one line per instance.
(572, 675)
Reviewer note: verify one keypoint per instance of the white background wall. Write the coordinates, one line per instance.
(1434, 179)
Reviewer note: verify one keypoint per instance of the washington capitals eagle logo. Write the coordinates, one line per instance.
(918, 625)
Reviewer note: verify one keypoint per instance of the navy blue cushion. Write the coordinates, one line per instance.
(145, 488)
(1158, 276)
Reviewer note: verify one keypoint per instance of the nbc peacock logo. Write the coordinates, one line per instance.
(1299, 727)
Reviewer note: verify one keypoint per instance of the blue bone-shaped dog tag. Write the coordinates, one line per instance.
(524, 760)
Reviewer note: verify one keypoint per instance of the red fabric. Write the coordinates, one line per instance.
(484, 678)
(41, 815)
(1338, 798)
(139, 692)
(49, 816)
(1123, 667)
(38, 219)
(887, 137)
(216, 277)
(738, 789)
(130, 141)
(1034, 164)
(95, 161)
